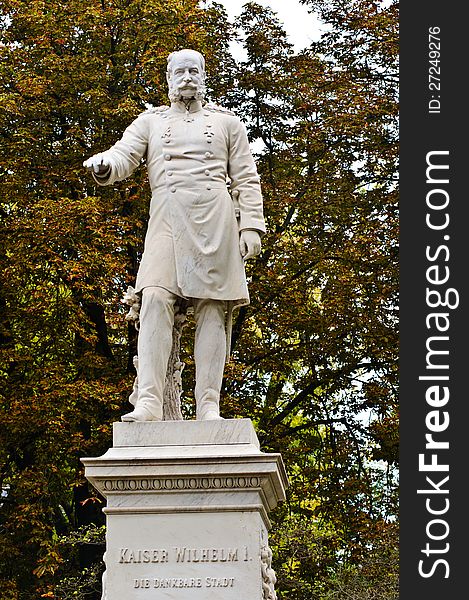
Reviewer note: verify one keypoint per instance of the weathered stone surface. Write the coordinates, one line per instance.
(179, 556)
(170, 433)
(187, 517)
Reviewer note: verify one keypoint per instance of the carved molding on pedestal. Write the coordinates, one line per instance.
(180, 484)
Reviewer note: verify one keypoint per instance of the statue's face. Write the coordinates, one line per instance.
(186, 78)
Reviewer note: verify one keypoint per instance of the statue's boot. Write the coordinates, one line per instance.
(208, 406)
(140, 413)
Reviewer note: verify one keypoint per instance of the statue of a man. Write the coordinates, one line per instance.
(199, 230)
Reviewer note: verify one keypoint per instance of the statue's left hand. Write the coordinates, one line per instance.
(249, 243)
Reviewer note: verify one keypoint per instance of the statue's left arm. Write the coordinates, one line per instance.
(245, 185)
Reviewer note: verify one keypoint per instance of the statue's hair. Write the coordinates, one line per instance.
(197, 55)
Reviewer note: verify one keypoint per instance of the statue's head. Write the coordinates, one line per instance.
(186, 75)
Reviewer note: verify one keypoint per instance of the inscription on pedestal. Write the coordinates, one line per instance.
(181, 555)
(187, 582)
(194, 555)
(230, 570)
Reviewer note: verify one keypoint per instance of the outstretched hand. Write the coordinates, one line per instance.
(99, 163)
(249, 243)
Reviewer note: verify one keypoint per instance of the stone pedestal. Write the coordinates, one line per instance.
(187, 510)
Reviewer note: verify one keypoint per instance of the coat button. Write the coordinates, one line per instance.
(173, 189)
(207, 172)
(208, 155)
(209, 187)
(167, 156)
(169, 173)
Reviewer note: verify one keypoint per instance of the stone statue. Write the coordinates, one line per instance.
(206, 218)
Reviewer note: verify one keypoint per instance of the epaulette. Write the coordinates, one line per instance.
(156, 109)
(217, 108)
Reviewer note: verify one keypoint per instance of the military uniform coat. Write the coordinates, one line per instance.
(192, 241)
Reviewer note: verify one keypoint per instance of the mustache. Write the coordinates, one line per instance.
(175, 91)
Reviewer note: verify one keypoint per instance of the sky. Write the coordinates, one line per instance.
(301, 27)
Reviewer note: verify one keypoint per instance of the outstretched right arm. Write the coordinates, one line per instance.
(123, 158)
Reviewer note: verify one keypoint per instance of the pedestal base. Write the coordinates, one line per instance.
(187, 510)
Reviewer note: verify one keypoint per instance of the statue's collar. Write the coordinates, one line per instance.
(180, 107)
